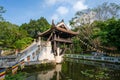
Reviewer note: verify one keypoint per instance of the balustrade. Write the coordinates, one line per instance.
(98, 58)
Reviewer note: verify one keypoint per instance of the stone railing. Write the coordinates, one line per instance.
(32, 48)
(96, 58)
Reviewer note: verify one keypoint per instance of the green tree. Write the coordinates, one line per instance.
(35, 26)
(94, 27)
(109, 32)
(22, 43)
(9, 34)
(2, 10)
(77, 46)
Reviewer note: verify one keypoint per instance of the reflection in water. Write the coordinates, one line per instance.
(77, 70)
(91, 70)
(47, 75)
(99, 64)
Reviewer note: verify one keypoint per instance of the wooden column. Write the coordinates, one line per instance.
(71, 48)
(54, 42)
(50, 37)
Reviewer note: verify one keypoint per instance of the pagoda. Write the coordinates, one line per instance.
(60, 37)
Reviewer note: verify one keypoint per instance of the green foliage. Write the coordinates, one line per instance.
(109, 32)
(24, 42)
(99, 33)
(13, 37)
(2, 10)
(101, 28)
(8, 33)
(77, 45)
(18, 76)
(35, 26)
(98, 75)
(112, 30)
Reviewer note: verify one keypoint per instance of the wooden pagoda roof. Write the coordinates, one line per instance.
(60, 27)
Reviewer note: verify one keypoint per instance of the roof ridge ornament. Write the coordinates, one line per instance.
(62, 20)
(53, 24)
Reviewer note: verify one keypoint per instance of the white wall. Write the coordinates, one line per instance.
(46, 52)
(24, 56)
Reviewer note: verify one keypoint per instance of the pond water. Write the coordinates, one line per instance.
(72, 69)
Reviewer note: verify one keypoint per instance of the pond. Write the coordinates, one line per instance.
(73, 69)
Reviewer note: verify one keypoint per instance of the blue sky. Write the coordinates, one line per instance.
(21, 11)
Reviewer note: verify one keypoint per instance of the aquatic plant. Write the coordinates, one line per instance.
(98, 74)
(18, 76)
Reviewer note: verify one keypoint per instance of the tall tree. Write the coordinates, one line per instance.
(10, 33)
(35, 26)
(101, 12)
(2, 10)
(82, 18)
(85, 22)
(109, 32)
(107, 11)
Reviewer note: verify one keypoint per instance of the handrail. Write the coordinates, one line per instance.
(26, 51)
(97, 58)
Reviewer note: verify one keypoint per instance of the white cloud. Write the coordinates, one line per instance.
(79, 5)
(62, 10)
(63, 7)
(53, 2)
(55, 17)
(50, 2)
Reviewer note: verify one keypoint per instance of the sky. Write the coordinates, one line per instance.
(21, 11)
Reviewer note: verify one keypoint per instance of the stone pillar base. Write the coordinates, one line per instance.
(58, 59)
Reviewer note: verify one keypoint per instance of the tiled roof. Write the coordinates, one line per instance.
(59, 27)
